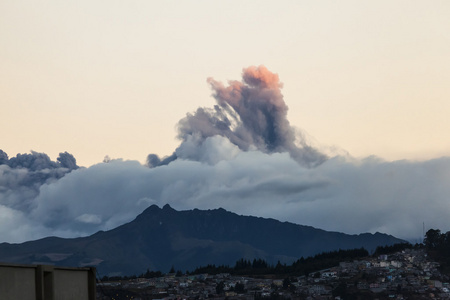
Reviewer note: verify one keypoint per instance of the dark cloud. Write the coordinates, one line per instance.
(23, 175)
(3, 158)
(153, 160)
(34, 161)
(67, 160)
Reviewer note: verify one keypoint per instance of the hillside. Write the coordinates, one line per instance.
(161, 238)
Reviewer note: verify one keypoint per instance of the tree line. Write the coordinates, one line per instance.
(260, 267)
(437, 245)
(302, 266)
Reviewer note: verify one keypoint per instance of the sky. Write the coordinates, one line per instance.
(359, 91)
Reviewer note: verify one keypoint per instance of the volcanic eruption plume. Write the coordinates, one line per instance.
(251, 114)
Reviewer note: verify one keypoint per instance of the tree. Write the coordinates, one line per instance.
(433, 239)
(242, 264)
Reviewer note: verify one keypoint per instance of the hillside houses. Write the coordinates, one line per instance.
(403, 275)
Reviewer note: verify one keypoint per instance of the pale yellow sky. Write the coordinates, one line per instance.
(98, 78)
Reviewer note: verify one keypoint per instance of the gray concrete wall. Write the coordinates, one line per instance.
(70, 285)
(42, 282)
(17, 283)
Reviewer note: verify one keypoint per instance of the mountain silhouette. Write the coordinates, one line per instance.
(161, 238)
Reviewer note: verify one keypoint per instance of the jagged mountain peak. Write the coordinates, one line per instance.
(160, 238)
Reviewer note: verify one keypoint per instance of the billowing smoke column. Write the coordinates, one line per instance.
(38, 161)
(251, 114)
(22, 176)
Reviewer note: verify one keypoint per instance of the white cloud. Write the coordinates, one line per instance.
(342, 194)
(89, 218)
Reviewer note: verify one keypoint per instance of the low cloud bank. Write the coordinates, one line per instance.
(340, 195)
(252, 163)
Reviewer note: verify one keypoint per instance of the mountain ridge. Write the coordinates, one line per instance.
(160, 238)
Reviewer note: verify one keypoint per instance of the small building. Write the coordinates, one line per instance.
(383, 257)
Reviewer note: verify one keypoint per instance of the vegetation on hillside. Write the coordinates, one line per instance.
(302, 266)
(437, 245)
(393, 248)
(260, 267)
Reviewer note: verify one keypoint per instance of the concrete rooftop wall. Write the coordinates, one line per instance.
(42, 282)
(17, 283)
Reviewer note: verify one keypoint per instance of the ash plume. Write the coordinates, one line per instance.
(251, 114)
(3, 157)
(153, 160)
(67, 160)
(23, 175)
(36, 161)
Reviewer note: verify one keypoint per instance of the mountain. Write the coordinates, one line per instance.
(161, 238)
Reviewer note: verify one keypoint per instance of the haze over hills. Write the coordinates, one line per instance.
(161, 238)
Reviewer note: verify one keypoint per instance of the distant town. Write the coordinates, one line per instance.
(405, 274)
